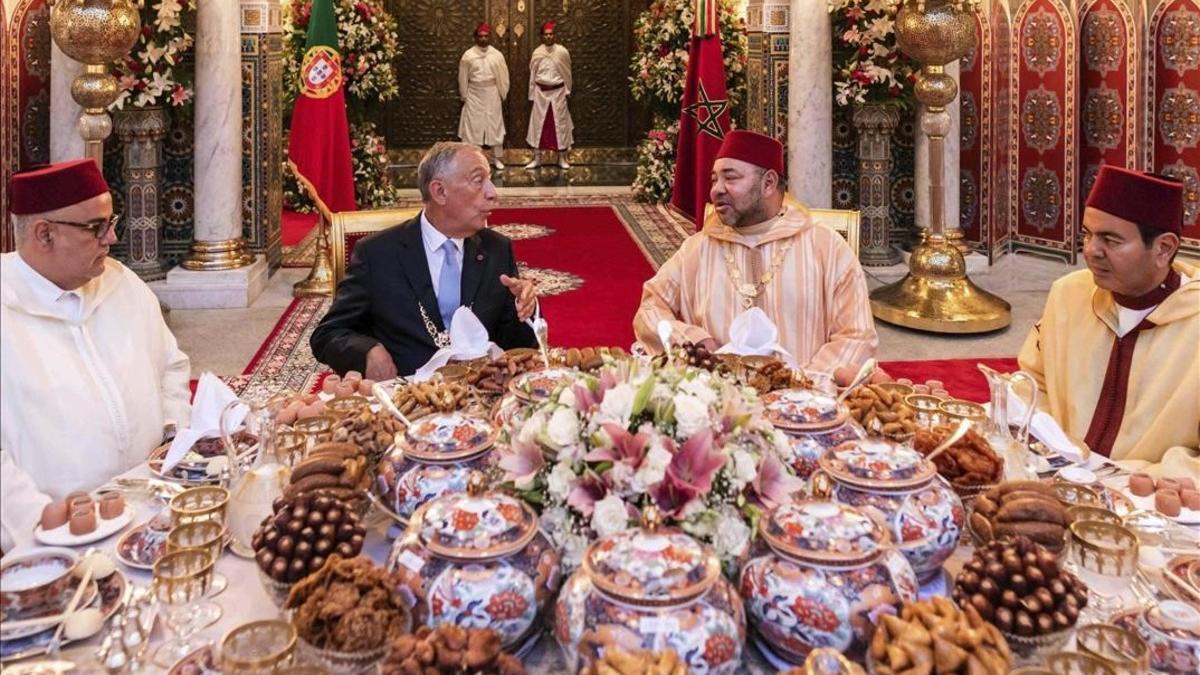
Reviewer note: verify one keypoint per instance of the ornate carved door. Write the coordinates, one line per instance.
(434, 33)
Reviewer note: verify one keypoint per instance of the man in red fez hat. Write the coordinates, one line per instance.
(1117, 351)
(91, 379)
(760, 256)
(550, 124)
(483, 86)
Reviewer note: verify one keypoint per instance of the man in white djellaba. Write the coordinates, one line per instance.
(91, 378)
(483, 86)
(550, 125)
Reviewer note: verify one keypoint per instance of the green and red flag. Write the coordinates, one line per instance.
(319, 142)
(703, 115)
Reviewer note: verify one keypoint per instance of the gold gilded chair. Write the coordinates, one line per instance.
(347, 227)
(844, 222)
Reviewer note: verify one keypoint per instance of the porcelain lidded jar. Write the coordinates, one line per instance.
(813, 422)
(829, 572)
(897, 486)
(651, 588)
(477, 560)
(434, 457)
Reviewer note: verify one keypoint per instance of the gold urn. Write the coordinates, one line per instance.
(937, 295)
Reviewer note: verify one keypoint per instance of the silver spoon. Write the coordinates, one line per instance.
(864, 371)
(664, 336)
(386, 401)
(963, 427)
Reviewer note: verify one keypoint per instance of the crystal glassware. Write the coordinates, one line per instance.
(258, 647)
(206, 535)
(196, 504)
(181, 581)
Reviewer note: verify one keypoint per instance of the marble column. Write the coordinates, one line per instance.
(810, 104)
(950, 160)
(218, 271)
(65, 141)
(217, 239)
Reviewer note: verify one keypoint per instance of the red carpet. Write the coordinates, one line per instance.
(296, 226)
(592, 244)
(959, 376)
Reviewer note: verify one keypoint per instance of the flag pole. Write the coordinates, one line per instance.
(319, 281)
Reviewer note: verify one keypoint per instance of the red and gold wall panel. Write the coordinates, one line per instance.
(1174, 110)
(25, 94)
(975, 136)
(999, 206)
(1110, 101)
(1045, 112)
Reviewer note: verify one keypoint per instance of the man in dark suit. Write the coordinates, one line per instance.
(393, 309)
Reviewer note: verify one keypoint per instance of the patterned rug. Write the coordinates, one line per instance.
(657, 229)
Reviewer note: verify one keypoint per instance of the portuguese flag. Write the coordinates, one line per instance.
(319, 142)
(703, 115)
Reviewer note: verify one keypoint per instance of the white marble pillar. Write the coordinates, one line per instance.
(950, 162)
(65, 141)
(810, 105)
(218, 271)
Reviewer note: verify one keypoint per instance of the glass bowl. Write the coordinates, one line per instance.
(278, 591)
(342, 663)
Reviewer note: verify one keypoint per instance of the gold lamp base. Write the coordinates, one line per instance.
(213, 256)
(319, 280)
(937, 296)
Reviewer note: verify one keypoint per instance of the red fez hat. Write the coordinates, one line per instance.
(1147, 200)
(55, 186)
(754, 148)
(549, 25)
(483, 29)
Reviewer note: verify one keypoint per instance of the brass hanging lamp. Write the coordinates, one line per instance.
(936, 295)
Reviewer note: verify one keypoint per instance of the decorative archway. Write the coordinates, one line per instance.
(1111, 107)
(1173, 123)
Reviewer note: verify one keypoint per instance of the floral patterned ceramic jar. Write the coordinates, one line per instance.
(1172, 630)
(813, 423)
(435, 457)
(898, 486)
(651, 588)
(829, 572)
(477, 560)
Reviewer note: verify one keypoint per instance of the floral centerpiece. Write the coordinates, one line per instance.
(694, 444)
(868, 67)
(368, 44)
(154, 73)
(656, 165)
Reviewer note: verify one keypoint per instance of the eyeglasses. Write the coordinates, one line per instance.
(99, 227)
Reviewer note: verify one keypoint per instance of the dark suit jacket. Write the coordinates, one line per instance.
(377, 301)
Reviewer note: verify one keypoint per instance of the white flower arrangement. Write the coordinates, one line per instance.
(366, 40)
(154, 73)
(656, 165)
(867, 64)
(692, 443)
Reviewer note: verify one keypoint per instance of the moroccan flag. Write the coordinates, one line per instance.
(703, 116)
(319, 143)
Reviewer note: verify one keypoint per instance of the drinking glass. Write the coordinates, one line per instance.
(181, 581)
(258, 648)
(205, 535)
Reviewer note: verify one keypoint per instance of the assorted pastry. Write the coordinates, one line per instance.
(1171, 495)
(695, 355)
(969, 462)
(767, 375)
(449, 650)
(303, 533)
(934, 636)
(418, 399)
(299, 407)
(372, 432)
(1021, 508)
(616, 661)
(337, 469)
(353, 383)
(349, 605)
(586, 358)
(79, 512)
(882, 411)
(492, 377)
(1019, 586)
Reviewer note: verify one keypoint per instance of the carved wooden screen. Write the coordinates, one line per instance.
(1175, 103)
(1110, 113)
(1044, 107)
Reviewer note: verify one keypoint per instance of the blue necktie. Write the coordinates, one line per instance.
(449, 283)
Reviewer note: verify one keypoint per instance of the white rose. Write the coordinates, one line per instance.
(732, 535)
(620, 477)
(700, 388)
(744, 467)
(610, 516)
(566, 397)
(563, 428)
(618, 403)
(531, 427)
(560, 481)
(653, 467)
(691, 415)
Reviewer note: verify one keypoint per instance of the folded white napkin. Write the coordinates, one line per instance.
(212, 395)
(753, 334)
(1043, 427)
(468, 340)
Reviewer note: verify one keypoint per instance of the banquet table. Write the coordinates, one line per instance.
(245, 600)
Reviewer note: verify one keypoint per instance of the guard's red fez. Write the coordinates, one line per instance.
(55, 186)
(1149, 201)
(483, 29)
(754, 148)
(549, 25)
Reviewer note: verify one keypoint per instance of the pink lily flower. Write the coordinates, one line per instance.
(690, 473)
(588, 490)
(773, 483)
(626, 447)
(521, 462)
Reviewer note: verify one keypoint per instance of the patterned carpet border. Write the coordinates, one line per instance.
(657, 229)
(285, 361)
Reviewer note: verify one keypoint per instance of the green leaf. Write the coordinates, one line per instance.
(642, 397)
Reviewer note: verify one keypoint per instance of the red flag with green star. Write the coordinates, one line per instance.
(703, 115)
(319, 142)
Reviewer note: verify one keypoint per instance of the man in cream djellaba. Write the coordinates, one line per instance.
(483, 86)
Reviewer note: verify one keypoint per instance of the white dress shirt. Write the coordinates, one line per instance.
(434, 255)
